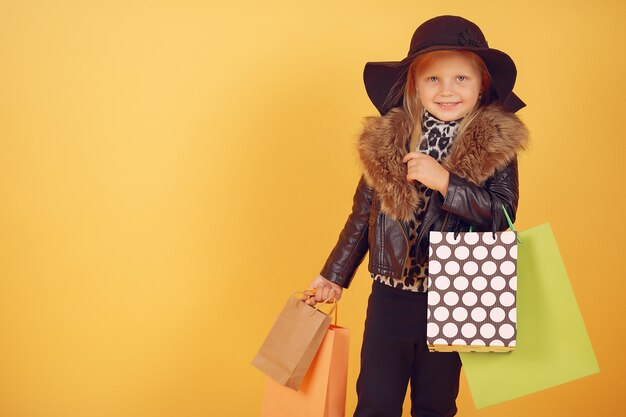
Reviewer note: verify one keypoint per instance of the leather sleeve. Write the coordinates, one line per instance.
(481, 206)
(352, 245)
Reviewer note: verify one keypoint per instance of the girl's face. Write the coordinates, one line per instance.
(448, 85)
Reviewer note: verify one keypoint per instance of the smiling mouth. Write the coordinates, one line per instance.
(448, 105)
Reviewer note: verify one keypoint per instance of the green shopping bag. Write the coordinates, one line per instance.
(552, 342)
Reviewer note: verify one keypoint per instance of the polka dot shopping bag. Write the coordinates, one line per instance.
(472, 289)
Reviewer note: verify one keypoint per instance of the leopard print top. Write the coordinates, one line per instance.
(437, 137)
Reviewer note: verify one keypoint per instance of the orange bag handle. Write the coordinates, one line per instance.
(309, 292)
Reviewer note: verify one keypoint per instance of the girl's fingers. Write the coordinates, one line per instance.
(318, 293)
(309, 297)
(325, 293)
(411, 155)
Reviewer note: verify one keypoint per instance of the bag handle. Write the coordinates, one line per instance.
(335, 304)
(508, 220)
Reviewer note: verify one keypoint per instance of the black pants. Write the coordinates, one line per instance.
(394, 353)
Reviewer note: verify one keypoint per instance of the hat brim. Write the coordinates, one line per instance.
(381, 77)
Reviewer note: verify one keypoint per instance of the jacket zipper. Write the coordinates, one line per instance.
(419, 238)
(426, 226)
(445, 221)
(406, 253)
(406, 239)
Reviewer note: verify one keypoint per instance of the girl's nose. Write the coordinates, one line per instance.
(446, 87)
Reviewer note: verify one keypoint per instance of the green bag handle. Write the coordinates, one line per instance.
(508, 220)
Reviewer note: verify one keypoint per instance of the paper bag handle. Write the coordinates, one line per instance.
(334, 308)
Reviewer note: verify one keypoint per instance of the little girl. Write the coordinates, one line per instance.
(442, 156)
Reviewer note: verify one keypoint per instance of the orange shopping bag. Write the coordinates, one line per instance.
(323, 390)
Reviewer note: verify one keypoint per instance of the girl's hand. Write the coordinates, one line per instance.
(325, 290)
(425, 169)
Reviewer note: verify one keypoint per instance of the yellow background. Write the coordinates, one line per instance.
(170, 171)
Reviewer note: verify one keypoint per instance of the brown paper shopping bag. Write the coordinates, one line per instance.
(323, 390)
(289, 348)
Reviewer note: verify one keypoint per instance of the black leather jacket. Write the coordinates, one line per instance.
(368, 228)
(466, 203)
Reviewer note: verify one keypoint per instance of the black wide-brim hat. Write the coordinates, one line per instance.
(386, 80)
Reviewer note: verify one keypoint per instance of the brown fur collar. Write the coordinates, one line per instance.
(488, 143)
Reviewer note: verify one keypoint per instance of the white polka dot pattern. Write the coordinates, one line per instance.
(471, 299)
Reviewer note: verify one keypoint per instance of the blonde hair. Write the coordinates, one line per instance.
(413, 106)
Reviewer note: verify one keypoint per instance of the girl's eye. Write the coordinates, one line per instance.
(461, 78)
(433, 79)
